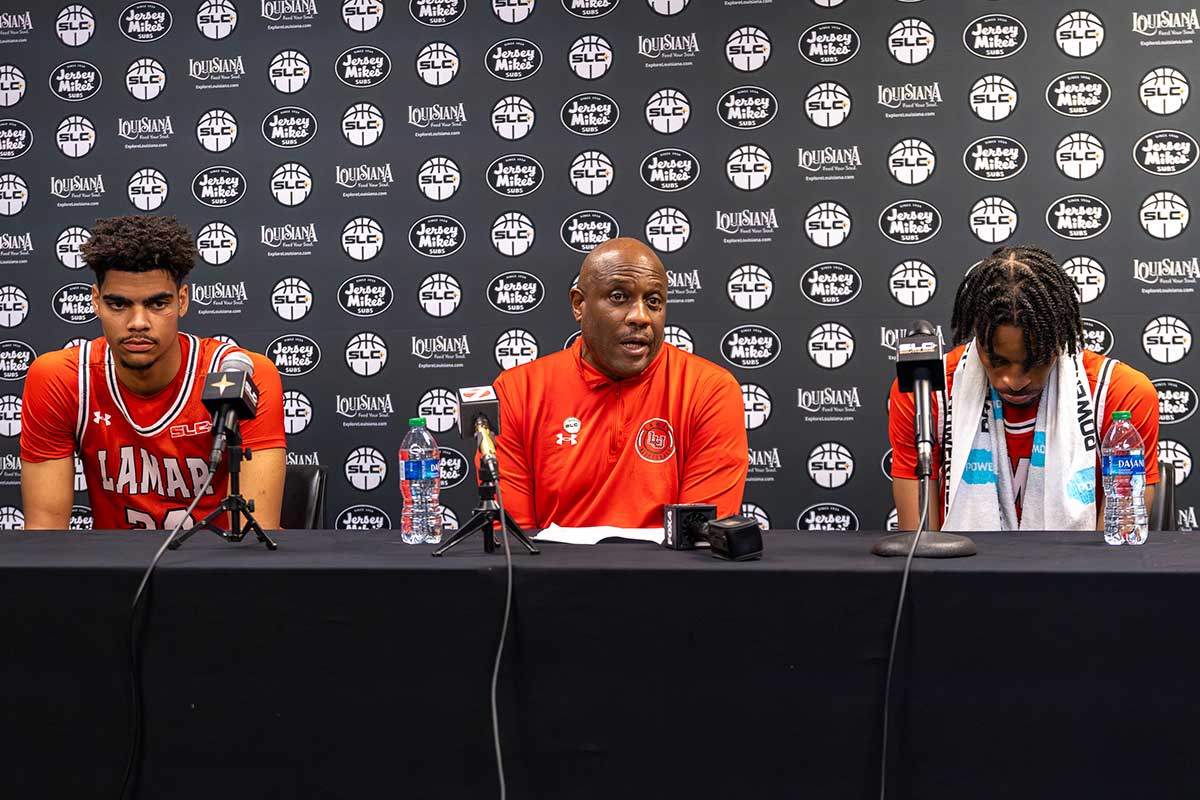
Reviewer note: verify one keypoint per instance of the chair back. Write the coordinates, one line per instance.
(303, 497)
(1162, 510)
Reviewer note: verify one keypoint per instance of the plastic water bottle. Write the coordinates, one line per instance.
(1123, 469)
(420, 479)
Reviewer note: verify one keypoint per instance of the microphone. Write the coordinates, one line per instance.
(230, 394)
(919, 370)
(479, 418)
(734, 538)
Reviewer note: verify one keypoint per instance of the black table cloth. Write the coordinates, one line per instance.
(349, 665)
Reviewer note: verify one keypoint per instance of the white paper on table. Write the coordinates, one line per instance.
(594, 534)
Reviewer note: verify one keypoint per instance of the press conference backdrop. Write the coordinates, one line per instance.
(392, 197)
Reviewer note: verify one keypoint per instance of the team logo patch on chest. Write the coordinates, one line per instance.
(655, 441)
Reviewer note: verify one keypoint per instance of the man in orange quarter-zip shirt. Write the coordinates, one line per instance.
(620, 423)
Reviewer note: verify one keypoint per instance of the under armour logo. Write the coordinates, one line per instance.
(566, 438)
(97, 418)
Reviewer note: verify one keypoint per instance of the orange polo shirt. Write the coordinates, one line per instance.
(577, 448)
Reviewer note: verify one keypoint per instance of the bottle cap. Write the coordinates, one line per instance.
(1121, 415)
(416, 422)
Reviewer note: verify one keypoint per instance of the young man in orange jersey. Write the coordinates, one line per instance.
(1025, 408)
(129, 402)
(609, 430)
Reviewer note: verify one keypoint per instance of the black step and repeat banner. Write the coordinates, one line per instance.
(392, 197)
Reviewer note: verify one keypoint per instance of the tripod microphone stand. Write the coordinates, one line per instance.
(236, 505)
(487, 514)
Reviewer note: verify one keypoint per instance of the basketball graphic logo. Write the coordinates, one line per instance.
(655, 441)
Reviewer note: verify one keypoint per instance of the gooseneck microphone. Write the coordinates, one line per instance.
(919, 370)
(230, 394)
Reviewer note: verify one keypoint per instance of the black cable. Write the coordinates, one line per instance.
(923, 501)
(135, 688)
(508, 593)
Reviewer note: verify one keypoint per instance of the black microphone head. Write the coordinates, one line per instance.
(474, 402)
(231, 387)
(922, 327)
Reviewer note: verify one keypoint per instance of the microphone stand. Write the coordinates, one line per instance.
(236, 505)
(487, 514)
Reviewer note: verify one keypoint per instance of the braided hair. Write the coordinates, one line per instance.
(1022, 286)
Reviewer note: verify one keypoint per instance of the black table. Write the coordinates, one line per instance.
(348, 665)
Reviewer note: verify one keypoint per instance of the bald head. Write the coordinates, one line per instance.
(615, 254)
(620, 304)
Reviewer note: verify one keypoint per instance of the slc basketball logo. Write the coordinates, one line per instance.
(439, 178)
(912, 161)
(1166, 339)
(297, 412)
(591, 172)
(1079, 155)
(439, 407)
(911, 41)
(1089, 276)
(217, 243)
(362, 238)
(1165, 215)
(655, 441)
(912, 283)
(14, 194)
(513, 12)
(437, 63)
(14, 306)
(291, 184)
(993, 219)
(748, 167)
(69, 246)
(1164, 90)
(75, 25)
(827, 104)
(145, 79)
(513, 117)
(830, 345)
(827, 224)
(830, 465)
(362, 124)
(750, 287)
(362, 15)
(216, 130)
(748, 49)
(668, 229)
(668, 111)
(289, 71)
(147, 189)
(216, 19)
(291, 298)
(366, 354)
(993, 97)
(439, 294)
(12, 85)
(515, 347)
(365, 468)
(76, 136)
(1079, 34)
(756, 405)
(590, 57)
(512, 234)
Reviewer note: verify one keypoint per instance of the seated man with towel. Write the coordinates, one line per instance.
(1023, 395)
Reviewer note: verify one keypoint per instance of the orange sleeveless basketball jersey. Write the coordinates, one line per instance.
(144, 458)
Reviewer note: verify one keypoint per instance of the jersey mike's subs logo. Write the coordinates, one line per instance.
(655, 441)
(16, 138)
(1166, 152)
(513, 59)
(910, 222)
(1097, 336)
(145, 22)
(995, 36)
(363, 67)
(670, 169)
(829, 44)
(73, 303)
(995, 158)
(831, 283)
(751, 346)
(75, 81)
(827, 517)
(219, 187)
(747, 107)
(584, 230)
(1078, 94)
(589, 9)
(515, 175)
(15, 358)
(289, 126)
(437, 236)
(294, 354)
(590, 114)
(1177, 400)
(1078, 216)
(437, 13)
(363, 517)
(455, 467)
(365, 296)
(515, 292)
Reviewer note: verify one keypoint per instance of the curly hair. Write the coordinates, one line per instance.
(140, 243)
(1022, 286)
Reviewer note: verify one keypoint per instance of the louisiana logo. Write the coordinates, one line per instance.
(995, 158)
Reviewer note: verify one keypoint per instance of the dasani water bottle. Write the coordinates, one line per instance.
(1123, 469)
(420, 478)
